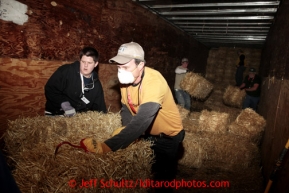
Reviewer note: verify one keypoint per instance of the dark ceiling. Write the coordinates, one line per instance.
(217, 23)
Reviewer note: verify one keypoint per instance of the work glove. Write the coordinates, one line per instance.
(91, 145)
(88, 145)
(69, 111)
(117, 131)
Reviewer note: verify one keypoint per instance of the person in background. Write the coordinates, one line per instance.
(75, 87)
(183, 98)
(241, 67)
(148, 110)
(252, 86)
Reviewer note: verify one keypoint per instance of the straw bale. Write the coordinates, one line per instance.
(30, 143)
(226, 152)
(38, 171)
(233, 96)
(25, 133)
(183, 112)
(193, 152)
(248, 124)
(196, 85)
(212, 121)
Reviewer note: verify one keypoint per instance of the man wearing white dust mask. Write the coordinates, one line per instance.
(148, 111)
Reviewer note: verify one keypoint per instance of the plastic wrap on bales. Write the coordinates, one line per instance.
(196, 85)
(31, 143)
(234, 97)
(248, 124)
(212, 121)
(183, 112)
(226, 152)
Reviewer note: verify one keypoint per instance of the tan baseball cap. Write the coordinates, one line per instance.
(127, 52)
(185, 60)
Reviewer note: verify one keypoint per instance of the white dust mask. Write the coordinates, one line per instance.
(125, 77)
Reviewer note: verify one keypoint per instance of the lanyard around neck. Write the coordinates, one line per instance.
(129, 99)
(82, 82)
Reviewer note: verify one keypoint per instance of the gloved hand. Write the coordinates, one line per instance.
(91, 145)
(69, 111)
(88, 145)
(117, 131)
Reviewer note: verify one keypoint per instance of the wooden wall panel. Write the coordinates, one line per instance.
(60, 32)
(274, 107)
(274, 103)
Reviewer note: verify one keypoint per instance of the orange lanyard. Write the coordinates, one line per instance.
(129, 99)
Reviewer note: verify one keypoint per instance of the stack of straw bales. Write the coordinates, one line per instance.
(31, 143)
(233, 96)
(209, 150)
(209, 143)
(196, 85)
(249, 125)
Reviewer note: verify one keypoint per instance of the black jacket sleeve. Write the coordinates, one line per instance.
(55, 86)
(135, 128)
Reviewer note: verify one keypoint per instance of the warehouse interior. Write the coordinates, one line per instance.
(38, 36)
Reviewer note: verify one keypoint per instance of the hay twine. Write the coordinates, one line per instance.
(196, 85)
(31, 142)
(233, 96)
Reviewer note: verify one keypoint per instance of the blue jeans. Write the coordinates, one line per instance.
(183, 98)
(251, 102)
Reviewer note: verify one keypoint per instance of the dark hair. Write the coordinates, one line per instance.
(138, 61)
(89, 51)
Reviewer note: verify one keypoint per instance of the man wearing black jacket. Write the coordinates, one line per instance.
(75, 87)
(252, 86)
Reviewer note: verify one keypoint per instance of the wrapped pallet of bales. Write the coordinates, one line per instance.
(233, 96)
(183, 112)
(31, 143)
(225, 152)
(249, 125)
(196, 85)
(213, 121)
